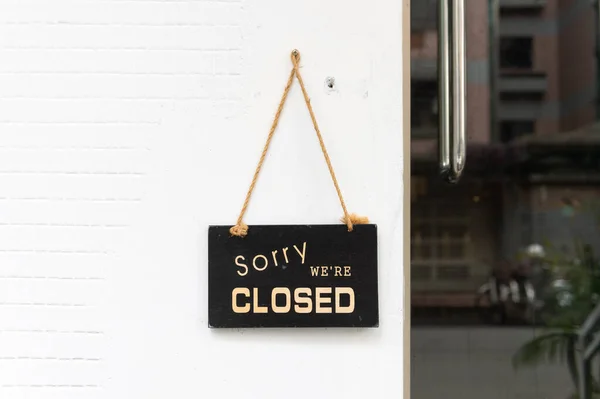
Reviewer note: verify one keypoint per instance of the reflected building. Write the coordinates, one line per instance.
(533, 157)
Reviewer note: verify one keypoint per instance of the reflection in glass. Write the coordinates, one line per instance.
(532, 180)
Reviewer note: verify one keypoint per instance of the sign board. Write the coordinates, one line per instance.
(293, 276)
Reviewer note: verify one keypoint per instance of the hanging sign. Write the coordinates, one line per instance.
(293, 276)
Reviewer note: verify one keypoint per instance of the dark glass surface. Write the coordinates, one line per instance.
(532, 180)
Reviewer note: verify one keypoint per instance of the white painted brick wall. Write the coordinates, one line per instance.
(126, 128)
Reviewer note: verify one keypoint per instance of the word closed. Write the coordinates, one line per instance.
(293, 276)
(302, 298)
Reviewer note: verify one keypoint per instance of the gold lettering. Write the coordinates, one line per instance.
(241, 265)
(256, 308)
(303, 253)
(266, 262)
(274, 253)
(338, 271)
(303, 300)
(278, 291)
(285, 254)
(320, 300)
(347, 271)
(234, 295)
(314, 270)
(338, 293)
(324, 271)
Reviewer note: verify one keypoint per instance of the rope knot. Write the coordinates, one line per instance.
(239, 230)
(353, 219)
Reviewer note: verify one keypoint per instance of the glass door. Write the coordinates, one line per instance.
(505, 207)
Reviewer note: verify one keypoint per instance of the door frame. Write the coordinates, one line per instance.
(406, 189)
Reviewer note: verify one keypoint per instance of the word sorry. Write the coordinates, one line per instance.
(303, 301)
(261, 262)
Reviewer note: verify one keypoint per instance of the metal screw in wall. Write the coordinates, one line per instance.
(330, 82)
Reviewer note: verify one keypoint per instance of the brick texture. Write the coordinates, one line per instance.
(85, 88)
(127, 127)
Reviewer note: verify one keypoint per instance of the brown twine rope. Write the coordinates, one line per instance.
(241, 229)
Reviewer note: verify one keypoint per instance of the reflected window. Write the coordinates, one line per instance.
(441, 244)
(516, 53)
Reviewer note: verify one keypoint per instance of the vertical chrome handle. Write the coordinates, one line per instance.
(452, 88)
(444, 111)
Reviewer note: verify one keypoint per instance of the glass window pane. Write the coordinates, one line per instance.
(527, 209)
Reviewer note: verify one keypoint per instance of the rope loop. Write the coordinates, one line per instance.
(241, 229)
(295, 56)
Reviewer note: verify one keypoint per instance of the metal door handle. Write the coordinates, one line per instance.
(452, 88)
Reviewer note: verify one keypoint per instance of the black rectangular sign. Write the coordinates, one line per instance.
(293, 276)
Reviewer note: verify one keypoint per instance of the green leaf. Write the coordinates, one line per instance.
(551, 347)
